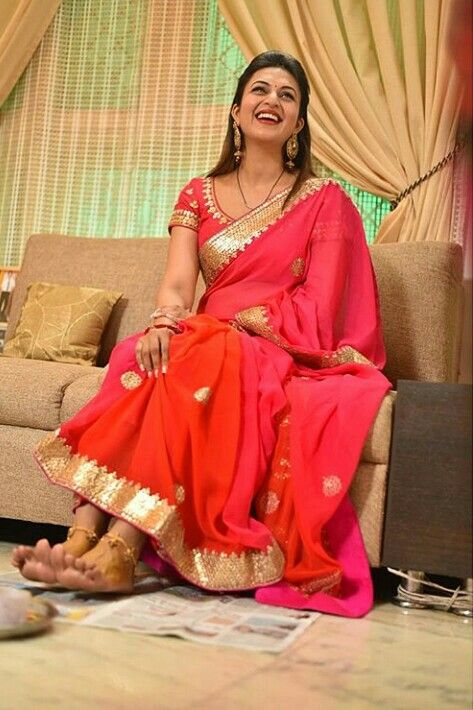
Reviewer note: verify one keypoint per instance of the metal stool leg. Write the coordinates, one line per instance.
(468, 587)
(414, 584)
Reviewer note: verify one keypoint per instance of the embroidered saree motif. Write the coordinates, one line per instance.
(203, 394)
(130, 380)
(255, 320)
(332, 485)
(218, 251)
(160, 519)
(298, 266)
(180, 493)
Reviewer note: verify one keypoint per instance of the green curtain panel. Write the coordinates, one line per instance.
(121, 103)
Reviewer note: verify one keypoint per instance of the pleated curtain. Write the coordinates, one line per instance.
(385, 95)
(22, 27)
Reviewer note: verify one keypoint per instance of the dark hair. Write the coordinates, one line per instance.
(302, 162)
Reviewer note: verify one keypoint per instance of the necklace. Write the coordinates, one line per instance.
(267, 196)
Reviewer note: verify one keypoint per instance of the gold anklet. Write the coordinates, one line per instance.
(91, 536)
(114, 540)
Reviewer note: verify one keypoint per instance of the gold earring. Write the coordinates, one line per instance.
(237, 142)
(292, 149)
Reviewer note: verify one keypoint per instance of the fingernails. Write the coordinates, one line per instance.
(165, 369)
(150, 374)
(141, 368)
(156, 373)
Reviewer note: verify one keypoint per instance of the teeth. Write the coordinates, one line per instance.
(268, 115)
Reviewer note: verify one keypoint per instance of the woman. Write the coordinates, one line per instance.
(223, 444)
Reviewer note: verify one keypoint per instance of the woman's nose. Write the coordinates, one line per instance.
(273, 98)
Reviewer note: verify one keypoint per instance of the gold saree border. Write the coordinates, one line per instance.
(322, 584)
(160, 519)
(218, 251)
(255, 320)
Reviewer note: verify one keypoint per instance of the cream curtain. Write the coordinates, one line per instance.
(385, 95)
(22, 26)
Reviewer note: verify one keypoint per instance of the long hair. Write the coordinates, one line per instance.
(226, 163)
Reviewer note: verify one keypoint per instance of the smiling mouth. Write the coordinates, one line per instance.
(266, 117)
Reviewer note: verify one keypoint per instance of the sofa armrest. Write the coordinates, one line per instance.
(79, 392)
(32, 391)
(378, 441)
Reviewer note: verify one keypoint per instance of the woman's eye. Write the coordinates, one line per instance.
(258, 88)
(287, 95)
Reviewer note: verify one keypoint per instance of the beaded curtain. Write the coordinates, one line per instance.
(120, 105)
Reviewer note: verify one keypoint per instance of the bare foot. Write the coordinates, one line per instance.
(35, 562)
(108, 567)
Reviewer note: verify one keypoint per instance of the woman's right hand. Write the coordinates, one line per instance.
(152, 351)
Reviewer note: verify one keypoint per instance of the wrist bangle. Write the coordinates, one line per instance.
(169, 316)
(170, 312)
(175, 328)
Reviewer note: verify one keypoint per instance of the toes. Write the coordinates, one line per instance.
(34, 563)
(81, 565)
(42, 552)
(19, 555)
(70, 562)
(57, 558)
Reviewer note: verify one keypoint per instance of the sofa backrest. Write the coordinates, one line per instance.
(419, 290)
(420, 293)
(133, 266)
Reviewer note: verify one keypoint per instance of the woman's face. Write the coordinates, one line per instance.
(269, 107)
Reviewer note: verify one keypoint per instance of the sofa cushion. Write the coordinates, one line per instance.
(62, 323)
(133, 266)
(31, 391)
(376, 448)
(81, 391)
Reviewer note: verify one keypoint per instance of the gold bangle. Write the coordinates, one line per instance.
(170, 317)
(170, 311)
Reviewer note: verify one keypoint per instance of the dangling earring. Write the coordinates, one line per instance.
(237, 142)
(292, 149)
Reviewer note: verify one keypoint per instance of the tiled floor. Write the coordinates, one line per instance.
(390, 660)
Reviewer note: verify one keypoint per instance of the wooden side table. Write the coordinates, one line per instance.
(428, 523)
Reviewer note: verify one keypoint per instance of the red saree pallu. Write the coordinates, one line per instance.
(238, 461)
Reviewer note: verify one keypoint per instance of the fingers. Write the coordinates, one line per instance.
(142, 355)
(152, 351)
(165, 337)
(139, 354)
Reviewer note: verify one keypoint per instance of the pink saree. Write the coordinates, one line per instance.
(238, 461)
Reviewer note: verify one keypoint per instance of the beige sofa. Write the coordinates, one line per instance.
(420, 296)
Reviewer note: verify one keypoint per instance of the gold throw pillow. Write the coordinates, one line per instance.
(61, 323)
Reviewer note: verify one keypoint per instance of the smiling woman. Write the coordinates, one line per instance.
(267, 130)
(222, 445)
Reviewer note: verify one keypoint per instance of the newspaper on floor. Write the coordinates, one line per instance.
(163, 607)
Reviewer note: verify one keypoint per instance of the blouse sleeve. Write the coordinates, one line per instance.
(186, 211)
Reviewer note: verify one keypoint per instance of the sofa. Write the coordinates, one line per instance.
(420, 287)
